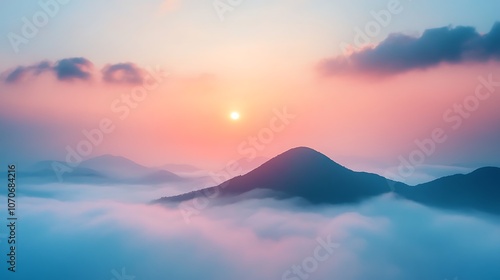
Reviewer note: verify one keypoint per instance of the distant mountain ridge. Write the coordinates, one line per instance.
(478, 190)
(305, 173)
(101, 169)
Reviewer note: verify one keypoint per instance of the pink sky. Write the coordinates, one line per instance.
(356, 120)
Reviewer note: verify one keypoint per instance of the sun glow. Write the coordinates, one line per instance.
(234, 116)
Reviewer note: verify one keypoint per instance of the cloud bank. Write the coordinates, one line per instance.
(384, 238)
(399, 53)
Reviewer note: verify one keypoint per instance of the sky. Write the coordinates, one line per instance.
(406, 89)
(371, 84)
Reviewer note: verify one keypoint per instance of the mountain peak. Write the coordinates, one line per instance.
(302, 152)
(300, 159)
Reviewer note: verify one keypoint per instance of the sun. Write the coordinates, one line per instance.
(235, 116)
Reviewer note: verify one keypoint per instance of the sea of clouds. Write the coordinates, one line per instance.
(63, 234)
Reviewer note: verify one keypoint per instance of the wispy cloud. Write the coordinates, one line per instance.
(127, 73)
(20, 72)
(77, 68)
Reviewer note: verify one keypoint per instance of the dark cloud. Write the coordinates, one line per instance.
(73, 68)
(22, 71)
(69, 69)
(64, 69)
(399, 53)
(127, 73)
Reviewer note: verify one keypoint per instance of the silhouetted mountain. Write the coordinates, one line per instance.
(479, 190)
(308, 174)
(301, 172)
